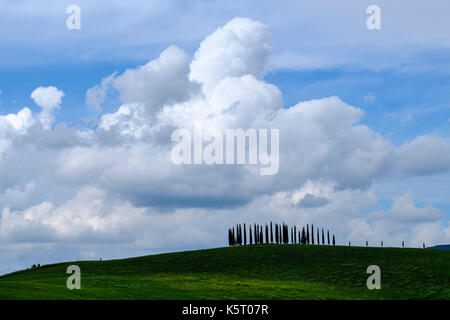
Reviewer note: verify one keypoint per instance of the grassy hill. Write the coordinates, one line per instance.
(250, 272)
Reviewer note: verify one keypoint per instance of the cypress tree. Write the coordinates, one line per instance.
(323, 237)
(280, 234)
(286, 234)
(229, 237)
(292, 234)
(334, 241)
(261, 235)
(307, 234)
(271, 232)
(367, 243)
(267, 234)
(328, 236)
(245, 235)
(234, 238)
(276, 233)
(255, 234)
(318, 236)
(240, 235)
(312, 234)
(250, 231)
(295, 234)
(303, 236)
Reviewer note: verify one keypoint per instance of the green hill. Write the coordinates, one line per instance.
(250, 272)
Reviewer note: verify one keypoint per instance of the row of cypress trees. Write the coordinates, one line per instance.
(283, 234)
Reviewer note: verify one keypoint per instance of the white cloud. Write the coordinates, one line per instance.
(241, 47)
(85, 216)
(117, 186)
(161, 81)
(49, 99)
(404, 221)
(96, 95)
(20, 122)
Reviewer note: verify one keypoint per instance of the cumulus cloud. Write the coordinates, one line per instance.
(96, 95)
(49, 99)
(241, 47)
(403, 221)
(116, 183)
(161, 81)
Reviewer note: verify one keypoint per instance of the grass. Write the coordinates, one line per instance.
(250, 272)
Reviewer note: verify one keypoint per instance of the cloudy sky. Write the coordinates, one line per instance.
(86, 118)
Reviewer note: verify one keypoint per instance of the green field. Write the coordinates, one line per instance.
(250, 272)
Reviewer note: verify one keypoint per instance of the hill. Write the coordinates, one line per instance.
(441, 246)
(248, 272)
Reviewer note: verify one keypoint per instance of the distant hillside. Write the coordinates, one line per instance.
(441, 246)
(247, 272)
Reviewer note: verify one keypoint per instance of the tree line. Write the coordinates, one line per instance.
(279, 234)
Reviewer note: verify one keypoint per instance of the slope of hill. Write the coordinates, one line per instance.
(248, 272)
(441, 246)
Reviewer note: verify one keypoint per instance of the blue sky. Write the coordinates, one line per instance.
(418, 105)
(398, 76)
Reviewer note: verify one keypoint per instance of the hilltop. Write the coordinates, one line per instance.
(247, 272)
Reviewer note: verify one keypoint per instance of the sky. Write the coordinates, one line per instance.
(86, 117)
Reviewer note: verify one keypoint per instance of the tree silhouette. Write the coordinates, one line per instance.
(261, 235)
(276, 233)
(250, 234)
(267, 234)
(318, 234)
(271, 232)
(304, 240)
(307, 234)
(312, 234)
(245, 235)
(334, 241)
(323, 237)
(293, 235)
(328, 236)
